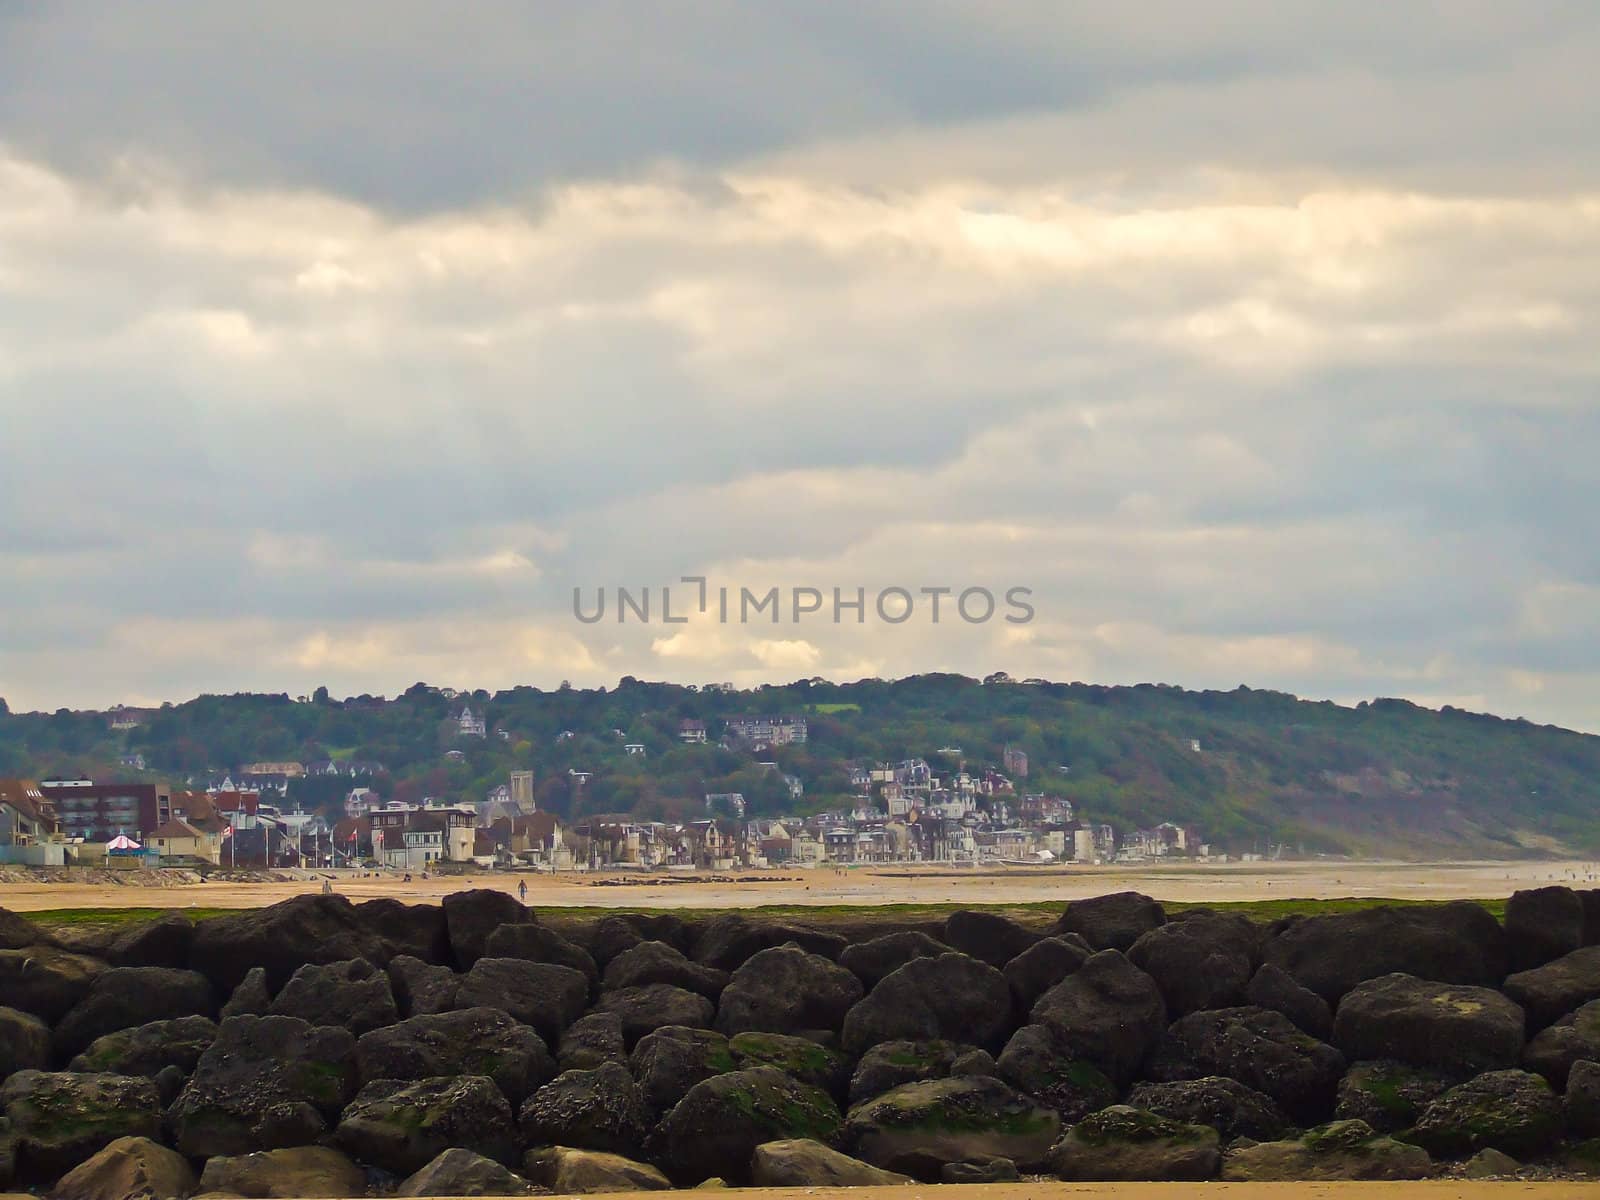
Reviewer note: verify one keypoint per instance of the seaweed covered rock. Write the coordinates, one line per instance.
(875, 959)
(264, 1083)
(888, 1065)
(354, 994)
(544, 995)
(284, 1174)
(1112, 922)
(534, 942)
(656, 962)
(281, 939)
(1339, 1151)
(670, 1061)
(1450, 1027)
(568, 1171)
(1041, 1062)
(806, 1163)
(716, 1127)
(402, 1126)
(58, 1119)
(1203, 961)
(592, 1040)
(1582, 1101)
(919, 1127)
(125, 997)
(785, 990)
(952, 997)
(421, 988)
(1513, 1111)
(1542, 924)
(1224, 1104)
(1554, 1050)
(1127, 1143)
(1107, 1012)
(1274, 988)
(459, 1172)
(470, 1041)
(24, 1042)
(150, 1049)
(1043, 965)
(643, 1010)
(45, 981)
(471, 916)
(1388, 1095)
(799, 1058)
(130, 1168)
(1265, 1051)
(988, 937)
(1550, 992)
(602, 1109)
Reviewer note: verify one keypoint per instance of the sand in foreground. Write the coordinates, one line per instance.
(1434, 1189)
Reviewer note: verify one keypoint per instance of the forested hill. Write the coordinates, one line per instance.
(1384, 778)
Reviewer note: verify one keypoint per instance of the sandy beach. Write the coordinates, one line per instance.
(1440, 1189)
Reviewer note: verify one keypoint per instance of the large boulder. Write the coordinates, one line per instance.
(806, 1163)
(1043, 965)
(1273, 987)
(1388, 1095)
(656, 962)
(544, 995)
(281, 939)
(888, 1065)
(1127, 1143)
(471, 916)
(18, 933)
(602, 1109)
(459, 1172)
(725, 942)
(953, 997)
(130, 1168)
(567, 1171)
(670, 1061)
(264, 1083)
(1550, 992)
(149, 1050)
(592, 1040)
(311, 1172)
(1583, 1100)
(1264, 1050)
(252, 998)
(45, 981)
(402, 1126)
(1574, 1038)
(1107, 1012)
(873, 960)
(716, 1127)
(1337, 1152)
(1451, 1027)
(59, 1119)
(1112, 922)
(1226, 1105)
(470, 1041)
(1202, 961)
(1042, 1062)
(643, 1010)
(799, 1058)
(24, 1042)
(986, 936)
(414, 930)
(163, 942)
(534, 942)
(1542, 924)
(1458, 942)
(917, 1128)
(125, 997)
(1512, 1111)
(354, 994)
(609, 937)
(785, 990)
(420, 987)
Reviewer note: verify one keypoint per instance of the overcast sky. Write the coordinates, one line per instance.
(339, 343)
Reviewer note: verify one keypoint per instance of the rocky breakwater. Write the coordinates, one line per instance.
(323, 1048)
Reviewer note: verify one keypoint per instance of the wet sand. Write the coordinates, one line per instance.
(864, 886)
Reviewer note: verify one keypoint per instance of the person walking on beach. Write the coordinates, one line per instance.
(522, 890)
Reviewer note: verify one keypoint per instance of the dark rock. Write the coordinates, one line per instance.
(1112, 922)
(163, 942)
(1591, 916)
(670, 1061)
(799, 1058)
(716, 1127)
(44, 981)
(125, 997)
(284, 1174)
(873, 960)
(421, 988)
(1265, 1051)
(646, 963)
(471, 916)
(975, 1061)
(353, 994)
(471, 1041)
(929, 999)
(805, 1163)
(130, 1168)
(252, 998)
(1108, 1013)
(726, 942)
(1226, 1105)
(611, 936)
(643, 1010)
(1389, 1096)
(1043, 965)
(1202, 961)
(1490, 1163)
(18, 933)
(1123, 1143)
(1542, 924)
(265, 1082)
(1550, 992)
(784, 990)
(888, 1065)
(58, 1119)
(1573, 1038)
(1513, 1111)
(917, 1128)
(1039, 1061)
(994, 1170)
(1458, 942)
(1583, 1099)
(543, 995)
(1340, 1151)
(403, 1126)
(602, 1109)
(1451, 1027)
(281, 939)
(24, 1042)
(988, 937)
(535, 943)
(590, 1041)
(414, 930)
(458, 1172)
(1273, 987)
(569, 1172)
(150, 1049)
